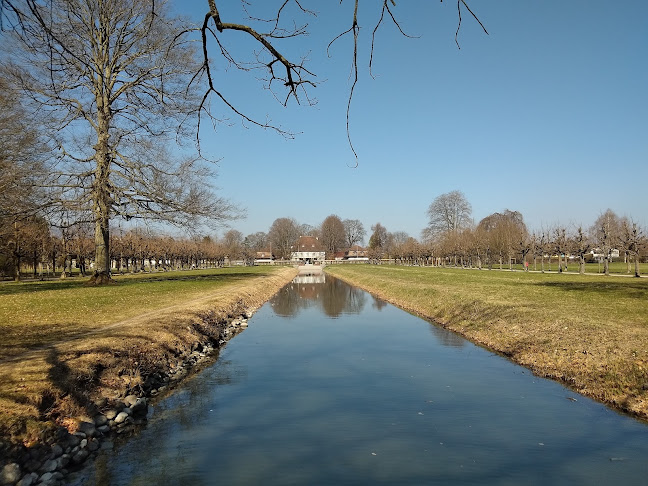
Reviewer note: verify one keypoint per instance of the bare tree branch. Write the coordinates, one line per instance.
(459, 4)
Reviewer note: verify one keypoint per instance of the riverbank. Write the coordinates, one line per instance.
(59, 397)
(588, 332)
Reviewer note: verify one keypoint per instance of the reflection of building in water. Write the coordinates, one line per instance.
(310, 279)
(307, 291)
(308, 286)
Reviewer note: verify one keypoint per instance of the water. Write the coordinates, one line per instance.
(331, 386)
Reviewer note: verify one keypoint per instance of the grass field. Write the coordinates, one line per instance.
(590, 332)
(36, 313)
(65, 345)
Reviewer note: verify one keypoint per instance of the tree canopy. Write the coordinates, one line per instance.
(112, 78)
(448, 212)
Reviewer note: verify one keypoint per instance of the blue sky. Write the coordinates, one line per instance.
(547, 115)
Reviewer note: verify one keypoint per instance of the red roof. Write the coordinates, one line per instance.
(309, 243)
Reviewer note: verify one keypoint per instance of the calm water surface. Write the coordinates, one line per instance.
(329, 385)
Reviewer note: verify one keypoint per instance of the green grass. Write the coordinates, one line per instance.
(620, 268)
(589, 331)
(36, 313)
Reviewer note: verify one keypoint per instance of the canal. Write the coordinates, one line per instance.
(329, 385)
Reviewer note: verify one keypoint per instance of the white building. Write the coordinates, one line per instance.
(308, 250)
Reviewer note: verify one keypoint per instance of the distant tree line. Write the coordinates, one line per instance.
(502, 238)
(52, 246)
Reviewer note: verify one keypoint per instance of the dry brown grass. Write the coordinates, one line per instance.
(60, 379)
(589, 332)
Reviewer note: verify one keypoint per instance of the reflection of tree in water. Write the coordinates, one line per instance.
(288, 301)
(378, 304)
(334, 297)
(447, 338)
(338, 297)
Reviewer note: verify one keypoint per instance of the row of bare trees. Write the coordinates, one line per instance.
(39, 245)
(502, 238)
(34, 248)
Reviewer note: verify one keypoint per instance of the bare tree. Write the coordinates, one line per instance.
(448, 212)
(306, 229)
(256, 241)
(83, 244)
(23, 240)
(606, 232)
(534, 248)
(112, 75)
(560, 242)
(478, 245)
(233, 243)
(581, 245)
(283, 235)
(332, 234)
(22, 168)
(631, 237)
(505, 232)
(378, 241)
(354, 232)
(23, 155)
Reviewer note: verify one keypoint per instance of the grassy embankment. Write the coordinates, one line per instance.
(589, 332)
(64, 344)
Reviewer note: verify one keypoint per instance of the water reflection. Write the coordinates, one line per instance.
(448, 338)
(373, 396)
(378, 304)
(331, 295)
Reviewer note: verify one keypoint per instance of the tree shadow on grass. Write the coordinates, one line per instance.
(11, 288)
(67, 383)
(18, 341)
(31, 287)
(637, 289)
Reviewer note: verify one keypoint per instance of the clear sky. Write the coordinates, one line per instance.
(547, 115)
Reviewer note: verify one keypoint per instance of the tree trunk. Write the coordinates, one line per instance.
(102, 197)
(581, 265)
(102, 252)
(636, 265)
(82, 266)
(627, 259)
(17, 265)
(606, 265)
(16, 254)
(64, 271)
